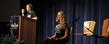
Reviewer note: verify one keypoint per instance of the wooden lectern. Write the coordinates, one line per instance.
(27, 30)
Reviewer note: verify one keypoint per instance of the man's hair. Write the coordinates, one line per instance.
(30, 5)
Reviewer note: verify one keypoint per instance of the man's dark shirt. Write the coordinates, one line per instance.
(31, 15)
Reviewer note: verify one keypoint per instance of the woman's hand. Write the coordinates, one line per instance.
(57, 39)
(49, 38)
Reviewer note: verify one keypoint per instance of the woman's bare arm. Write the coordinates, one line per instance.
(53, 36)
(66, 34)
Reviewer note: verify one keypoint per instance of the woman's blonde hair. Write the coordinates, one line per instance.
(62, 19)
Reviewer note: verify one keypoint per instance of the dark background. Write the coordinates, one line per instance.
(46, 10)
(7, 9)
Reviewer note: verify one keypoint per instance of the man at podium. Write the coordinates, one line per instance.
(30, 12)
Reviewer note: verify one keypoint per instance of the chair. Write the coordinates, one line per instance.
(70, 33)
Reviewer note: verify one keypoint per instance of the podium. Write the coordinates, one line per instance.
(27, 30)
